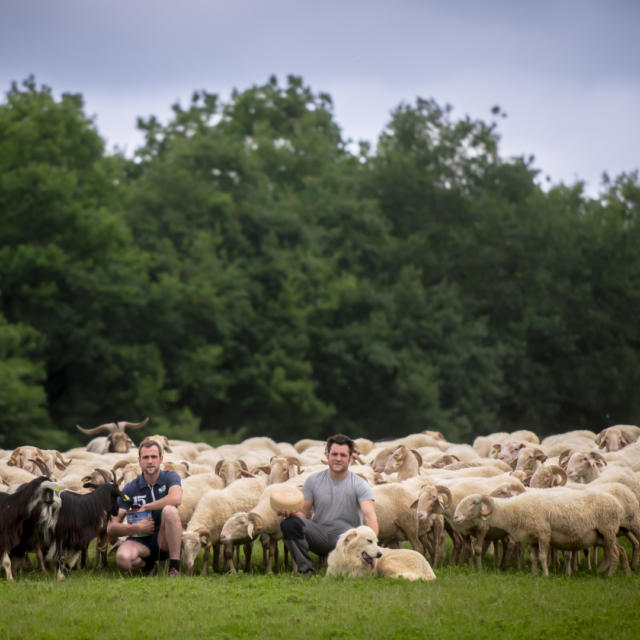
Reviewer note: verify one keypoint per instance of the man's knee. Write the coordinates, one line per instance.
(292, 528)
(170, 514)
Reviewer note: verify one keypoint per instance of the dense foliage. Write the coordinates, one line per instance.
(247, 272)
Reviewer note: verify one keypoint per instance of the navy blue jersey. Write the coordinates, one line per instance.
(140, 493)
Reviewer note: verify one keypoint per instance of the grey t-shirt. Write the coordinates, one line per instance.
(336, 503)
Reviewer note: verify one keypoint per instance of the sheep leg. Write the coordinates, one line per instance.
(228, 557)
(205, 560)
(248, 552)
(635, 546)
(409, 530)
(533, 552)
(611, 559)
(543, 556)
(216, 557)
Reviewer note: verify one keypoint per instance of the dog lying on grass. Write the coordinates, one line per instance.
(357, 554)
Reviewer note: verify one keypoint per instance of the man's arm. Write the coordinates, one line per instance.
(117, 528)
(173, 498)
(369, 515)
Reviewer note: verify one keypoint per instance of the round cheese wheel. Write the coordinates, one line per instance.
(286, 498)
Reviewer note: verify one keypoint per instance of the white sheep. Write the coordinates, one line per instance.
(231, 540)
(542, 518)
(193, 488)
(617, 437)
(449, 493)
(214, 508)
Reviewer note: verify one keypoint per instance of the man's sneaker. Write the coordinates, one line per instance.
(173, 573)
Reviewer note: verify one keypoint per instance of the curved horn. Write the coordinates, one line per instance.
(110, 427)
(559, 476)
(132, 425)
(418, 457)
(44, 470)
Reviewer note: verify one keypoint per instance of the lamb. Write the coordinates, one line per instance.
(396, 517)
(214, 508)
(430, 520)
(577, 439)
(547, 476)
(529, 459)
(451, 491)
(543, 518)
(232, 469)
(14, 475)
(38, 461)
(230, 539)
(404, 462)
(617, 437)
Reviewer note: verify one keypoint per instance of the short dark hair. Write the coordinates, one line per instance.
(150, 442)
(340, 438)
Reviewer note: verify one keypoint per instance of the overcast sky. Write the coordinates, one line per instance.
(566, 72)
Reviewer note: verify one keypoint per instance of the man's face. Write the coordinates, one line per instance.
(339, 457)
(150, 460)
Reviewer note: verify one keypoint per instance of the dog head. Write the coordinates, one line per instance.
(362, 543)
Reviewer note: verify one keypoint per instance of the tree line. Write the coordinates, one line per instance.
(247, 272)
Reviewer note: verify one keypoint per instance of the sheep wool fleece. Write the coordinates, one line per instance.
(336, 508)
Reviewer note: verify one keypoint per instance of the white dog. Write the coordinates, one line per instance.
(357, 554)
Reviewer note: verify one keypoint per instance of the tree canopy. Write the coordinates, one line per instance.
(247, 272)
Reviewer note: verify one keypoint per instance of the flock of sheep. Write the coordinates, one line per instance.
(507, 493)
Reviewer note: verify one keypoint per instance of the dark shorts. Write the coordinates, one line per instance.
(151, 542)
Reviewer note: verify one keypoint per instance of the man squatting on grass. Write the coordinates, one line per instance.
(338, 499)
(159, 492)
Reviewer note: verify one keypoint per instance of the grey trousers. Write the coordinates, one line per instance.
(302, 536)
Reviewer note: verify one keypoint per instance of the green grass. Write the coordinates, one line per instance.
(461, 603)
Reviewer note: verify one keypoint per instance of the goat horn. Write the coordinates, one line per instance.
(132, 425)
(41, 465)
(110, 427)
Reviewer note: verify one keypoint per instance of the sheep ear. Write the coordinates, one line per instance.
(563, 458)
(599, 460)
(486, 506)
(444, 496)
(414, 505)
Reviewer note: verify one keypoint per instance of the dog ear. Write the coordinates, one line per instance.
(350, 535)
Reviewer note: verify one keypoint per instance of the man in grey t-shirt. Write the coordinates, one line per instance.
(338, 499)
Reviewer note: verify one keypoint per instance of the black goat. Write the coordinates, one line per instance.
(81, 518)
(20, 514)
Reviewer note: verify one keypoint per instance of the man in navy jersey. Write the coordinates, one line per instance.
(150, 504)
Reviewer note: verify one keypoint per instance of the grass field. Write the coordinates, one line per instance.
(461, 603)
